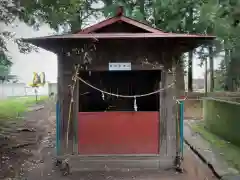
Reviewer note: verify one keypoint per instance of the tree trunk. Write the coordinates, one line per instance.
(190, 78)
(226, 60)
(76, 24)
(180, 77)
(232, 71)
(206, 78)
(229, 70)
(190, 53)
(210, 49)
(141, 4)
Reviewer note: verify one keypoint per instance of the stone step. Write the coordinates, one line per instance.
(124, 163)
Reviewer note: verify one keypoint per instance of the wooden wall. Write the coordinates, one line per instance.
(119, 52)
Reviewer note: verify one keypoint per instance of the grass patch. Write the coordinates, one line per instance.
(13, 107)
(228, 151)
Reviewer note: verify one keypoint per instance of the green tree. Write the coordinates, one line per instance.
(9, 12)
(220, 18)
(224, 17)
(62, 15)
(170, 15)
(5, 74)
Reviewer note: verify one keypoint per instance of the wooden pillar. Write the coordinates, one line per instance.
(64, 98)
(176, 93)
(60, 100)
(168, 147)
(75, 117)
(162, 124)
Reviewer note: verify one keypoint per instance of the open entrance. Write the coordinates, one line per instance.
(119, 82)
(111, 125)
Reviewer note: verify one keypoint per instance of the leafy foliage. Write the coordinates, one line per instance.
(220, 18)
(4, 74)
(9, 12)
(61, 15)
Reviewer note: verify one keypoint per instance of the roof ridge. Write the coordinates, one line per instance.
(115, 19)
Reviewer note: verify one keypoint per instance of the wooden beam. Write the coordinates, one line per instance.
(134, 67)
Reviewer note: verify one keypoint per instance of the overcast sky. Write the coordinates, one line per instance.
(25, 64)
(44, 61)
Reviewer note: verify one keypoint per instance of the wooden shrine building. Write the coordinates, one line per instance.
(118, 114)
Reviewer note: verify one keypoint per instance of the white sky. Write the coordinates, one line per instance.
(25, 64)
(45, 61)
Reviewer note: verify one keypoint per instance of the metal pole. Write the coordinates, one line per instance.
(181, 125)
(57, 128)
(178, 137)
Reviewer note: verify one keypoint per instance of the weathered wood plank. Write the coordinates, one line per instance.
(163, 142)
(170, 117)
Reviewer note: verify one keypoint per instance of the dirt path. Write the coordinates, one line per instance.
(36, 161)
(21, 142)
